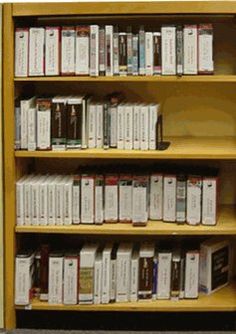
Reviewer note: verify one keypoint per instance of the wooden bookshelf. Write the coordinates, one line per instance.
(221, 301)
(199, 121)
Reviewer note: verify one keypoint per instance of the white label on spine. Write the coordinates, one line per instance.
(194, 193)
(52, 203)
(134, 272)
(168, 50)
(99, 126)
(27, 202)
(190, 49)
(43, 203)
(139, 212)
(169, 206)
(191, 275)
(209, 201)
(68, 202)
(70, 285)
(21, 52)
(36, 51)
(144, 122)
(128, 127)
(43, 129)
(111, 202)
(164, 275)
(35, 202)
(149, 52)
(136, 127)
(68, 51)
(156, 197)
(76, 204)
(55, 278)
(87, 200)
(99, 216)
(92, 125)
(32, 129)
(125, 199)
(52, 51)
(153, 115)
(120, 126)
(59, 203)
(94, 50)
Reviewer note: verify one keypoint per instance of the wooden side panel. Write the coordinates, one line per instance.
(1, 198)
(9, 163)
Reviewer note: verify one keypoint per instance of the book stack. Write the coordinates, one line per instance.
(92, 50)
(122, 272)
(80, 122)
(93, 197)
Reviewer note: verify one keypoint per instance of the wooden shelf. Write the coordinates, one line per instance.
(153, 79)
(226, 225)
(180, 148)
(152, 7)
(222, 300)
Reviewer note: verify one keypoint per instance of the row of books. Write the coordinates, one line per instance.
(76, 122)
(122, 272)
(105, 50)
(129, 198)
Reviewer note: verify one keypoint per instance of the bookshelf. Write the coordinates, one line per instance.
(206, 102)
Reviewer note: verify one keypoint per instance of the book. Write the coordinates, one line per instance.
(109, 50)
(156, 196)
(21, 52)
(111, 198)
(74, 122)
(190, 49)
(140, 200)
(179, 50)
(146, 254)
(124, 253)
(82, 50)
(116, 51)
(142, 61)
(175, 276)
(98, 278)
(209, 200)
(102, 51)
(55, 278)
(67, 193)
(43, 106)
(149, 53)
(144, 127)
(135, 54)
(125, 198)
(205, 49)
(17, 138)
(191, 274)
(99, 125)
(156, 53)
(99, 199)
(68, 50)
(129, 51)
(168, 50)
(25, 105)
(121, 126)
(136, 126)
(76, 199)
(123, 66)
(106, 272)
(152, 131)
(36, 51)
(164, 274)
(70, 286)
(32, 129)
(94, 50)
(92, 111)
(181, 194)
(194, 194)
(23, 277)
(87, 199)
(128, 130)
(52, 50)
(59, 123)
(134, 273)
(169, 198)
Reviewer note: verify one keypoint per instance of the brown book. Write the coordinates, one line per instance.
(146, 255)
(74, 122)
(44, 272)
(58, 121)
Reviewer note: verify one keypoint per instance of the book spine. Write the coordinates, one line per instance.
(116, 51)
(149, 53)
(19, 204)
(106, 270)
(120, 126)
(134, 279)
(153, 116)
(194, 193)
(99, 126)
(205, 49)
(113, 279)
(123, 54)
(70, 286)
(68, 51)
(154, 278)
(44, 124)
(76, 200)
(129, 52)
(135, 55)
(87, 199)
(190, 49)
(68, 202)
(99, 199)
(27, 203)
(85, 106)
(106, 138)
(145, 277)
(175, 278)
(123, 277)
(179, 50)
(169, 205)
(55, 280)
(191, 275)
(36, 51)
(128, 138)
(24, 125)
(156, 53)
(156, 197)
(32, 129)
(82, 50)
(182, 277)
(97, 281)
(35, 203)
(23, 280)
(144, 125)
(168, 50)
(94, 50)
(139, 208)
(111, 198)
(181, 199)
(164, 275)
(21, 52)
(142, 61)
(109, 50)
(17, 145)
(113, 125)
(58, 124)
(52, 55)
(43, 203)
(74, 122)
(52, 203)
(102, 51)
(125, 198)
(59, 203)
(209, 200)
(136, 127)
(92, 110)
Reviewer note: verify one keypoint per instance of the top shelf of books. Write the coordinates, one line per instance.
(127, 8)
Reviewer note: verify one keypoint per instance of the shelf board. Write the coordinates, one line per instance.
(222, 300)
(226, 225)
(190, 78)
(126, 8)
(180, 148)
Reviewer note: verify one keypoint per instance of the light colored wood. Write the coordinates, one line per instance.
(1, 187)
(174, 79)
(226, 225)
(180, 148)
(9, 164)
(222, 300)
(135, 7)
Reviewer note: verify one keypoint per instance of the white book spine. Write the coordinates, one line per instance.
(27, 203)
(190, 49)
(113, 280)
(36, 51)
(35, 203)
(153, 116)
(106, 270)
(125, 201)
(149, 53)
(70, 286)
(43, 203)
(51, 203)
(134, 272)
(94, 50)
(164, 275)
(136, 127)
(21, 52)
(59, 203)
(55, 279)
(99, 210)
(82, 54)
(128, 127)
(85, 104)
(19, 203)
(139, 211)
(194, 194)
(99, 126)
(191, 275)
(97, 281)
(120, 126)
(169, 205)
(144, 125)
(76, 203)
(24, 124)
(68, 202)
(168, 50)
(43, 129)
(156, 197)
(113, 126)
(109, 50)
(92, 125)
(32, 129)
(116, 53)
(111, 203)
(68, 51)
(123, 278)
(87, 200)
(209, 201)
(52, 38)
(23, 280)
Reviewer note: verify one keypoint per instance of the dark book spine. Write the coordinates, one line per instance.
(129, 51)
(175, 277)
(102, 51)
(145, 277)
(58, 124)
(156, 53)
(106, 141)
(179, 50)
(123, 53)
